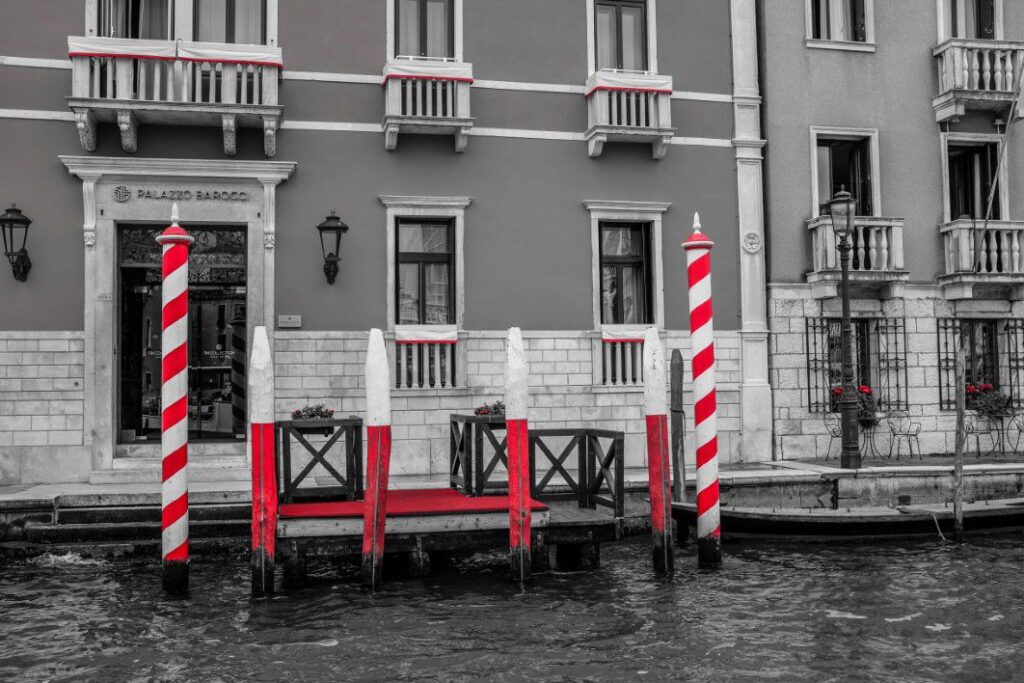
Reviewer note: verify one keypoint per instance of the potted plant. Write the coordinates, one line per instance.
(988, 401)
(310, 419)
(867, 404)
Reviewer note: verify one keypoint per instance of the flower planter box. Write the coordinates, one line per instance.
(323, 427)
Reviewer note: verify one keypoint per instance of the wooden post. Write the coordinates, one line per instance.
(658, 477)
(264, 464)
(702, 340)
(961, 438)
(516, 425)
(174, 406)
(676, 427)
(378, 458)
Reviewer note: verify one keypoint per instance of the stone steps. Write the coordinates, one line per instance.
(205, 468)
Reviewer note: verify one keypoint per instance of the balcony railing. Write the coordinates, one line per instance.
(980, 254)
(629, 107)
(432, 97)
(975, 74)
(174, 82)
(876, 257)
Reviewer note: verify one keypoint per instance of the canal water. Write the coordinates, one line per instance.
(927, 612)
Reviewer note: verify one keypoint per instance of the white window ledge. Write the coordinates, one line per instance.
(843, 45)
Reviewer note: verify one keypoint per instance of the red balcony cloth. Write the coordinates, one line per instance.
(406, 503)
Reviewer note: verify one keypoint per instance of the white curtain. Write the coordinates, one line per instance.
(249, 22)
(245, 16)
(211, 20)
(437, 29)
(408, 28)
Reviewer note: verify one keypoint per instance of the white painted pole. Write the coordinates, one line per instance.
(658, 468)
(378, 458)
(517, 398)
(264, 463)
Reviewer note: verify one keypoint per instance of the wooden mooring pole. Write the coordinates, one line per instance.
(676, 417)
(378, 458)
(961, 439)
(264, 464)
(174, 406)
(658, 474)
(517, 428)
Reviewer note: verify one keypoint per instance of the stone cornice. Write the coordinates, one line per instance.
(97, 167)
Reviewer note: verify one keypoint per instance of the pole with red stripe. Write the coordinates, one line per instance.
(264, 469)
(174, 406)
(378, 458)
(702, 341)
(517, 429)
(658, 469)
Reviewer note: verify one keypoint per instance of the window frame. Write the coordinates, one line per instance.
(229, 21)
(835, 133)
(945, 33)
(611, 211)
(651, 37)
(426, 208)
(621, 262)
(456, 36)
(421, 10)
(1002, 178)
(867, 45)
(619, 5)
(184, 20)
(421, 259)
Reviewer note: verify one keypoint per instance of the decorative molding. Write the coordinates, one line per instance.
(622, 207)
(229, 123)
(270, 124)
(186, 168)
(269, 241)
(751, 243)
(414, 203)
(86, 124)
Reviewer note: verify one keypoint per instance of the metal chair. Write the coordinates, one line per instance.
(1017, 422)
(901, 429)
(834, 427)
(977, 425)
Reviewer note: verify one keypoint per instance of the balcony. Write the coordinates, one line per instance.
(132, 82)
(983, 260)
(975, 74)
(876, 262)
(629, 107)
(429, 97)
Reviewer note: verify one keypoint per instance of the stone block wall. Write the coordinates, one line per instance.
(41, 407)
(801, 434)
(313, 367)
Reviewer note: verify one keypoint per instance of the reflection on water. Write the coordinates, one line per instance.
(786, 613)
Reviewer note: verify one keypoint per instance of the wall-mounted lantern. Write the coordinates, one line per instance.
(14, 226)
(331, 231)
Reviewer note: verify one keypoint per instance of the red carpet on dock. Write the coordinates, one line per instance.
(406, 503)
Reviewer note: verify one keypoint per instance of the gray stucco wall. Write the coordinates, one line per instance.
(891, 90)
(40, 28)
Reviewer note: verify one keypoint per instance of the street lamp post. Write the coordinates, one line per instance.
(843, 207)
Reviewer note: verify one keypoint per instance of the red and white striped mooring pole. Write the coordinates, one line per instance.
(264, 473)
(659, 473)
(702, 341)
(174, 406)
(378, 458)
(518, 432)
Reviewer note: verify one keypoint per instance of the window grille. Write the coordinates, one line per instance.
(995, 355)
(879, 361)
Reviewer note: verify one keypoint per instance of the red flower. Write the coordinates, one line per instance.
(837, 391)
(985, 387)
(971, 389)
(864, 389)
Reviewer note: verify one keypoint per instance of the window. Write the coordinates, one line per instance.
(879, 360)
(972, 174)
(844, 164)
(424, 289)
(141, 19)
(425, 28)
(621, 34)
(625, 274)
(231, 21)
(971, 19)
(994, 355)
(839, 20)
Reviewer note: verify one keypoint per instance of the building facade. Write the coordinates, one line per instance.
(907, 106)
(530, 163)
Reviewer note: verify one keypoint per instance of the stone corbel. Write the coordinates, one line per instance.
(86, 124)
(595, 145)
(461, 140)
(129, 131)
(391, 137)
(269, 135)
(660, 147)
(229, 124)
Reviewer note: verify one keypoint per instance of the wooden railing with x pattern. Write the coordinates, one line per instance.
(346, 485)
(597, 454)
